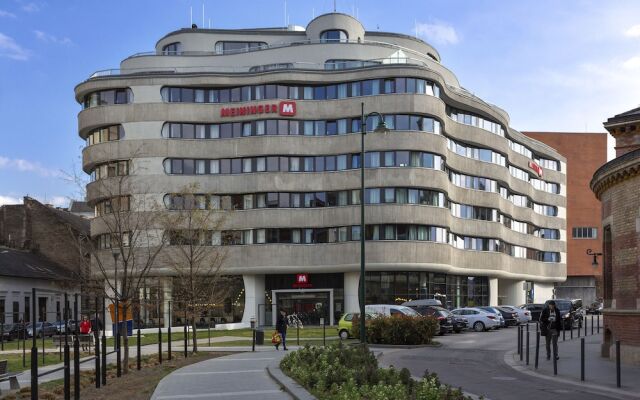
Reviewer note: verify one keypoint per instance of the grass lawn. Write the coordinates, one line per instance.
(15, 360)
(137, 385)
(291, 341)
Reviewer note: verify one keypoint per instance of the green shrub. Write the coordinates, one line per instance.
(398, 329)
(342, 372)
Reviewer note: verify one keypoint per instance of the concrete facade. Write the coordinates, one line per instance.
(584, 281)
(303, 59)
(617, 185)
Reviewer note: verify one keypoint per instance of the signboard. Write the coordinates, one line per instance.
(302, 282)
(536, 168)
(284, 108)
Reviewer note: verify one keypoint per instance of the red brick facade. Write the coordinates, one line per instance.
(617, 185)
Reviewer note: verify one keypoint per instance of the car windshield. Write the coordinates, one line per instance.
(408, 311)
(563, 305)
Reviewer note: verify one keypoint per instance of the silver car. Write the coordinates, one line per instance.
(523, 314)
(480, 320)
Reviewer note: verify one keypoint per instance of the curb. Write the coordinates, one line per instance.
(404, 346)
(289, 385)
(508, 359)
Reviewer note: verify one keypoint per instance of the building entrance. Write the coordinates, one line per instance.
(308, 305)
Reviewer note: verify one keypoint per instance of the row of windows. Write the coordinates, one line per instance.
(117, 204)
(113, 240)
(107, 98)
(352, 233)
(373, 159)
(350, 197)
(476, 153)
(369, 87)
(105, 134)
(175, 130)
(348, 64)
(110, 170)
(549, 187)
(334, 35)
(584, 233)
(467, 118)
(226, 47)
(543, 162)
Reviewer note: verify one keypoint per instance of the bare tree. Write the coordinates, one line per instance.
(195, 256)
(122, 256)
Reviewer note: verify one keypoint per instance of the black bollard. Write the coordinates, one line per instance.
(571, 328)
(579, 329)
(159, 344)
(76, 352)
(584, 320)
(34, 350)
(591, 324)
(96, 335)
(555, 360)
(67, 364)
(582, 359)
(527, 347)
(2, 337)
(537, 348)
(618, 378)
(518, 333)
(209, 333)
(324, 334)
(298, 333)
(103, 368)
(564, 333)
(598, 320)
(521, 342)
(185, 334)
(169, 333)
(253, 339)
(139, 349)
(43, 336)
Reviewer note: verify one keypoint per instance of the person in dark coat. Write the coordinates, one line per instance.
(281, 328)
(551, 321)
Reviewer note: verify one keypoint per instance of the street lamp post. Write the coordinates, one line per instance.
(363, 130)
(595, 255)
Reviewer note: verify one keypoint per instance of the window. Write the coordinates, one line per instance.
(226, 47)
(171, 49)
(107, 98)
(105, 134)
(584, 233)
(335, 35)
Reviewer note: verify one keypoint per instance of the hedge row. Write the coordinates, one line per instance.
(398, 329)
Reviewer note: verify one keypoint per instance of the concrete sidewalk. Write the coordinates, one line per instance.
(238, 376)
(600, 372)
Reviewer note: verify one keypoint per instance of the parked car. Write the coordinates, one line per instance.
(390, 309)
(571, 314)
(422, 302)
(535, 309)
(42, 329)
(495, 312)
(523, 315)
(595, 308)
(480, 320)
(346, 323)
(444, 316)
(71, 326)
(510, 316)
(460, 323)
(12, 331)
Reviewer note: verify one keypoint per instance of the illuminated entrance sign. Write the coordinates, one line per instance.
(284, 108)
(302, 282)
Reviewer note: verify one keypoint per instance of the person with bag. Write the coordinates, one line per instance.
(281, 329)
(550, 325)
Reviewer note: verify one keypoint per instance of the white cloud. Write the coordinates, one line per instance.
(632, 63)
(48, 38)
(21, 165)
(437, 32)
(31, 7)
(7, 14)
(57, 201)
(10, 49)
(634, 31)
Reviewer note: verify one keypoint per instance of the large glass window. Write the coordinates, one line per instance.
(105, 134)
(228, 47)
(335, 35)
(107, 98)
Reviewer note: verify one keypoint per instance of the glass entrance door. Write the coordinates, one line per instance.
(309, 307)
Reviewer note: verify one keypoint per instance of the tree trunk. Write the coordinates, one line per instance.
(195, 334)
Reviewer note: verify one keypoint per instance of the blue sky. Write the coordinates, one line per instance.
(553, 65)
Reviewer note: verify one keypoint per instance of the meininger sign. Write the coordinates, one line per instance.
(536, 168)
(284, 108)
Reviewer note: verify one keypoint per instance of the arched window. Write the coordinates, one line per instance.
(335, 35)
(172, 49)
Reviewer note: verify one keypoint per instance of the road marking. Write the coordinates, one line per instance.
(224, 394)
(504, 378)
(220, 372)
(244, 359)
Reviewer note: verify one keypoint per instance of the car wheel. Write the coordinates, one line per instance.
(344, 335)
(457, 330)
(478, 326)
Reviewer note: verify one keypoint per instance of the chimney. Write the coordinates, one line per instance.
(625, 128)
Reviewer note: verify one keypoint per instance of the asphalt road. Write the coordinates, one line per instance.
(475, 362)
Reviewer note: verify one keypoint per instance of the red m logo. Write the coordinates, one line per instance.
(287, 108)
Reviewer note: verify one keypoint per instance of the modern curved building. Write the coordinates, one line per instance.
(266, 122)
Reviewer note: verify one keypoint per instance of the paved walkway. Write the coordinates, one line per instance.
(238, 376)
(599, 372)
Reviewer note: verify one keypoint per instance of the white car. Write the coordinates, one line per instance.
(479, 319)
(390, 309)
(523, 314)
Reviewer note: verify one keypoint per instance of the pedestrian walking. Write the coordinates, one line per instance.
(85, 329)
(281, 328)
(550, 325)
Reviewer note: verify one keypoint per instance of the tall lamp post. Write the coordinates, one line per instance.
(382, 128)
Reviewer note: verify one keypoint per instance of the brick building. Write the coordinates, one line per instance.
(584, 226)
(38, 250)
(617, 185)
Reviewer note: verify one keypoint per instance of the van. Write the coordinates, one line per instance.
(390, 309)
(422, 302)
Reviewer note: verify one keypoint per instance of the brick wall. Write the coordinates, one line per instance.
(12, 225)
(625, 328)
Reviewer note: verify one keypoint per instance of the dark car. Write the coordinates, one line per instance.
(14, 331)
(42, 329)
(570, 312)
(535, 309)
(444, 316)
(71, 326)
(595, 308)
(459, 323)
(510, 317)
